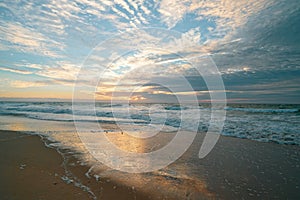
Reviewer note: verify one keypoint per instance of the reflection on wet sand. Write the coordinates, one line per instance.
(129, 143)
(235, 169)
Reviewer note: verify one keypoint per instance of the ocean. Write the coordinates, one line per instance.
(277, 123)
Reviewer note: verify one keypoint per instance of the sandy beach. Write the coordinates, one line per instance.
(235, 169)
(150, 100)
(30, 170)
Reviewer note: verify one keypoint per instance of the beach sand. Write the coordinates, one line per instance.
(245, 169)
(235, 169)
(30, 170)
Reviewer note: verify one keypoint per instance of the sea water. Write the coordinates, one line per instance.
(262, 122)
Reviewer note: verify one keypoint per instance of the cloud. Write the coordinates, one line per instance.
(268, 40)
(125, 6)
(15, 70)
(59, 71)
(172, 11)
(26, 40)
(26, 84)
(32, 66)
(245, 38)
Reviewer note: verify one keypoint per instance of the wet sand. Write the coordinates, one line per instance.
(245, 169)
(30, 170)
(235, 169)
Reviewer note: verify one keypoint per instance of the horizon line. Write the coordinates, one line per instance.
(229, 101)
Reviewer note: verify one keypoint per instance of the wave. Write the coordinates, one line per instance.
(175, 107)
(279, 123)
(23, 110)
(264, 110)
(69, 118)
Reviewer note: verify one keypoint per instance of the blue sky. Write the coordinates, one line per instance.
(44, 44)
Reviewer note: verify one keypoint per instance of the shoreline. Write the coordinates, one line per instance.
(241, 168)
(28, 173)
(31, 170)
(236, 168)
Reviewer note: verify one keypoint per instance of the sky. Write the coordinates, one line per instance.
(151, 51)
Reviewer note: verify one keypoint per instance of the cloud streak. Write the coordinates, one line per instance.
(26, 40)
(15, 70)
(26, 84)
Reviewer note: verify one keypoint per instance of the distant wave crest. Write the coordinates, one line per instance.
(264, 110)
